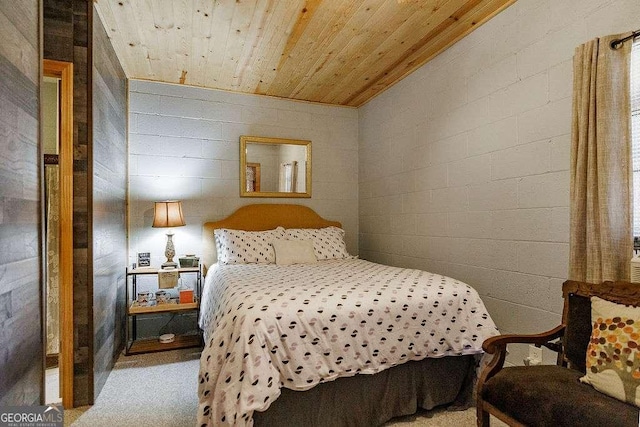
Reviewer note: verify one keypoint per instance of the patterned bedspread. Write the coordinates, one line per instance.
(269, 326)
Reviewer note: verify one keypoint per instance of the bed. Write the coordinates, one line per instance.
(340, 341)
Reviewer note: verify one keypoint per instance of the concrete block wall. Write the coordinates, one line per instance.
(184, 144)
(464, 165)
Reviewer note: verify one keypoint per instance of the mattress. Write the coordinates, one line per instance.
(267, 327)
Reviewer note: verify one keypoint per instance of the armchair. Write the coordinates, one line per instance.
(552, 395)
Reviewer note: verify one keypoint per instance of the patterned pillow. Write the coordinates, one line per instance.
(613, 354)
(328, 243)
(246, 247)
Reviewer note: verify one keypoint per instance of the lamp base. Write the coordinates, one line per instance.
(169, 252)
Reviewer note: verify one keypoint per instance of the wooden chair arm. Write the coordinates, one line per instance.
(498, 347)
(499, 342)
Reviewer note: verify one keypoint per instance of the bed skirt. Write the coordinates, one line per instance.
(370, 400)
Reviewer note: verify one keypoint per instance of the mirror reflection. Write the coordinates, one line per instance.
(275, 167)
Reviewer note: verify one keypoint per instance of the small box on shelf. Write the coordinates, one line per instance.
(189, 261)
(186, 296)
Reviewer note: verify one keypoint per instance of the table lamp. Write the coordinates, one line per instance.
(168, 214)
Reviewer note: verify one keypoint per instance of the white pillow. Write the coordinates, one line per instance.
(294, 252)
(328, 243)
(246, 247)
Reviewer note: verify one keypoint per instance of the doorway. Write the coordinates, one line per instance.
(57, 149)
(253, 177)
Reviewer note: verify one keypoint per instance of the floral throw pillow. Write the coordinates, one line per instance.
(328, 242)
(246, 247)
(613, 353)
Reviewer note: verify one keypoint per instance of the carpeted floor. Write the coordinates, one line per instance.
(159, 389)
(155, 389)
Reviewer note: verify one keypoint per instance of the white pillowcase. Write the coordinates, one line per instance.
(328, 243)
(246, 247)
(294, 252)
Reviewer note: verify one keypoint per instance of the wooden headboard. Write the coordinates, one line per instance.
(259, 218)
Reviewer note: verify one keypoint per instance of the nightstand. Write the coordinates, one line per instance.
(135, 345)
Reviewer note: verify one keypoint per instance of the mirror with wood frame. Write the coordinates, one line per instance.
(274, 167)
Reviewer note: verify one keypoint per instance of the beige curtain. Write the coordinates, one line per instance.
(288, 177)
(53, 250)
(601, 239)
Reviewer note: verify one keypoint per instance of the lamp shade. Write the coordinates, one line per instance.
(168, 214)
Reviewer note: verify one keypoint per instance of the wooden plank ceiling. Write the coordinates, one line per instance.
(330, 51)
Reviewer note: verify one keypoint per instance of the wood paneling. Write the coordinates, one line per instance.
(58, 30)
(332, 51)
(66, 38)
(21, 351)
(99, 189)
(109, 147)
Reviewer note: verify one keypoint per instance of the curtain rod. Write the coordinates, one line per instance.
(616, 44)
